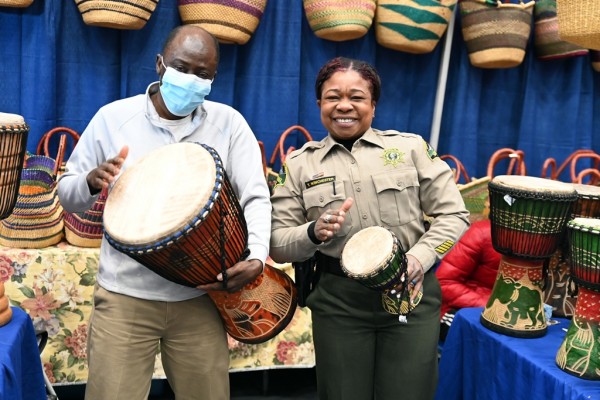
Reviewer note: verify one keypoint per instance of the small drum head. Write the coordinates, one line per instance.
(11, 119)
(533, 184)
(161, 193)
(588, 202)
(367, 250)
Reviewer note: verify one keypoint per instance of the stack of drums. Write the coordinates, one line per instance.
(528, 216)
(559, 294)
(579, 353)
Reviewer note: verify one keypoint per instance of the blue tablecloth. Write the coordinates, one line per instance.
(21, 376)
(479, 364)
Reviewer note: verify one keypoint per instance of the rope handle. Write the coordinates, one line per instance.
(43, 144)
(575, 178)
(516, 165)
(460, 168)
(279, 148)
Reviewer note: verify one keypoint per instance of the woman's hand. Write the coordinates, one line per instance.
(238, 276)
(415, 276)
(102, 176)
(330, 222)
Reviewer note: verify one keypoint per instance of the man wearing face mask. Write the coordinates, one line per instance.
(135, 309)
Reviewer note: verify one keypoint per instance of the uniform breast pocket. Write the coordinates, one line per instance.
(398, 196)
(323, 197)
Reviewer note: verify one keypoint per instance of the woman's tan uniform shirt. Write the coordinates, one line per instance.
(394, 179)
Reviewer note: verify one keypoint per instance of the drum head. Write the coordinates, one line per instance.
(11, 119)
(590, 191)
(532, 183)
(585, 224)
(160, 195)
(367, 250)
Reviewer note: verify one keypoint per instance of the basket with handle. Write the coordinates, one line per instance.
(280, 152)
(37, 218)
(412, 26)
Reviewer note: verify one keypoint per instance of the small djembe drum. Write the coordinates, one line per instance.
(528, 216)
(375, 258)
(190, 229)
(13, 145)
(579, 353)
(559, 293)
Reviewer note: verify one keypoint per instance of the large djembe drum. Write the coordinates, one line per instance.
(559, 293)
(13, 145)
(175, 212)
(579, 353)
(375, 258)
(528, 216)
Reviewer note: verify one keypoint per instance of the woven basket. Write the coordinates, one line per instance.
(13, 143)
(85, 229)
(547, 43)
(476, 196)
(579, 22)
(339, 20)
(412, 26)
(118, 14)
(280, 150)
(15, 3)
(37, 217)
(595, 59)
(231, 21)
(496, 35)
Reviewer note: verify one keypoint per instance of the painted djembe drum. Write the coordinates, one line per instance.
(528, 216)
(559, 292)
(13, 145)
(579, 353)
(375, 258)
(175, 212)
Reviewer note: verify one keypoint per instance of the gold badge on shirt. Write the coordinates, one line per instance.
(392, 157)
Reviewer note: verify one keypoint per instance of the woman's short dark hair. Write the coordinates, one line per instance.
(365, 70)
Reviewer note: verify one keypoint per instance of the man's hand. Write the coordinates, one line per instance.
(102, 176)
(238, 276)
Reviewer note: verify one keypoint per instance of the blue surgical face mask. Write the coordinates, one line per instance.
(183, 93)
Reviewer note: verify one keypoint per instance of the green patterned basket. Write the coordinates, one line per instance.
(339, 20)
(548, 45)
(412, 26)
(476, 197)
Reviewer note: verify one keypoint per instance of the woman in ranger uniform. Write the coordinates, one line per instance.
(358, 177)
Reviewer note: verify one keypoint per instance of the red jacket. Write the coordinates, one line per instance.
(468, 272)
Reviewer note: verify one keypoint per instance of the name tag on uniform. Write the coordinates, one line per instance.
(319, 181)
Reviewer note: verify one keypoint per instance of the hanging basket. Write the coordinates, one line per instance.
(595, 60)
(496, 34)
(231, 21)
(579, 22)
(15, 3)
(412, 26)
(547, 43)
(339, 20)
(118, 14)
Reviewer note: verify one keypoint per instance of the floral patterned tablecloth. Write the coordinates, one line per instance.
(54, 285)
